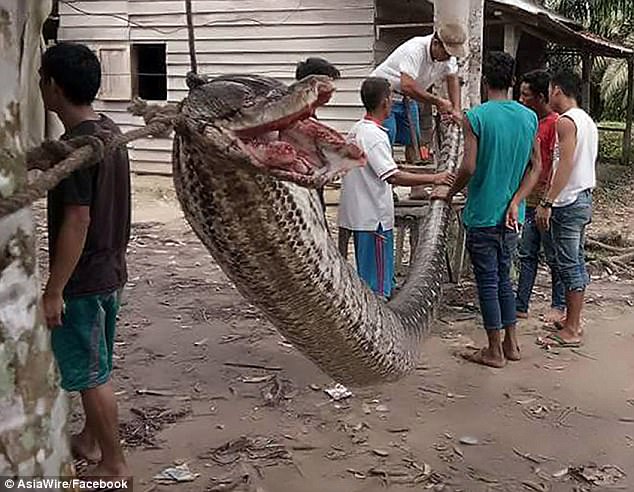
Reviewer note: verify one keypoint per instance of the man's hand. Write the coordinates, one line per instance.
(53, 308)
(512, 217)
(456, 116)
(446, 178)
(444, 106)
(542, 217)
(441, 193)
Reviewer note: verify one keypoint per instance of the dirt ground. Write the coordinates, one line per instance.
(185, 335)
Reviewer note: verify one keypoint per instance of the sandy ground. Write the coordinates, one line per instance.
(449, 426)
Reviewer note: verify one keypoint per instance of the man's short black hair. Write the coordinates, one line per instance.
(538, 82)
(569, 83)
(374, 91)
(75, 69)
(316, 66)
(498, 69)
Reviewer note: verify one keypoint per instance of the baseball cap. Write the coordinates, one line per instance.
(454, 39)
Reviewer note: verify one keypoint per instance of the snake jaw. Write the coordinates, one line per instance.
(272, 127)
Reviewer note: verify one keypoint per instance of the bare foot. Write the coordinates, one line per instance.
(485, 358)
(555, 316)
(560, 325)
(511, 350)
(82, 448)
(521, 315)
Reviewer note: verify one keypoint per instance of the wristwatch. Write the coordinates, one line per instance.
(545, 204)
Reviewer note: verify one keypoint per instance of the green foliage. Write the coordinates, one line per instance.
(611, 143)
(613, 19)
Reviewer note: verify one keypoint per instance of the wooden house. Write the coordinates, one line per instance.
(143, 48)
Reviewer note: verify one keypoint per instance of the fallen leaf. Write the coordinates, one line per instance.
(257, 379)
(469, 441)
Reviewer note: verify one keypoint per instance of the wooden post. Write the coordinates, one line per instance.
(190, 36)
(512, 35)
(627, 136)
(586, 69)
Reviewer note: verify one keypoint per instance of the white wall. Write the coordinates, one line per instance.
(261, 36)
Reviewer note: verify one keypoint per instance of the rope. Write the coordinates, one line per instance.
(59, 159)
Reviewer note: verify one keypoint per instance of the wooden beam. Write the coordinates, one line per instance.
(627, 136)
(586, 69)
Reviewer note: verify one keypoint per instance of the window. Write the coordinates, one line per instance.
(115, 74)
(149, 77)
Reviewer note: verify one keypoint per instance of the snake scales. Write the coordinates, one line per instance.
(268, 235)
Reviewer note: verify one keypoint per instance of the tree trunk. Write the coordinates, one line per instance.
(471, 94)
(33, 431)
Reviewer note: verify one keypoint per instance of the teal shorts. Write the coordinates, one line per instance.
(83, 344)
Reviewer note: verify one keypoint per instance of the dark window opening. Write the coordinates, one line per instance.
(150, 71)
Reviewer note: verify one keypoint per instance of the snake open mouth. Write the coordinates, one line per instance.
(276, 130)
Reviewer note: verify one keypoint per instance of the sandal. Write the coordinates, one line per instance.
(564, 343)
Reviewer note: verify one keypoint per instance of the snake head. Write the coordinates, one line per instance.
(273, 126)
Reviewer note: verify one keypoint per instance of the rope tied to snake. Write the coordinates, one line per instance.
(59, 159)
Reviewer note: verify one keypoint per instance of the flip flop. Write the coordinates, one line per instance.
(477, 357)
(552, 328)
(564, 343)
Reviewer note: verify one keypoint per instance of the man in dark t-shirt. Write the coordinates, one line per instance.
(89, 229)
(320, 66)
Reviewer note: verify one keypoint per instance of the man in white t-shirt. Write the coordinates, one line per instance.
(366, 205)
(567, 206)
(412, 69)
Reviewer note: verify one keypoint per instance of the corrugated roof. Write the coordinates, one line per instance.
(534, 8)
(557, 28)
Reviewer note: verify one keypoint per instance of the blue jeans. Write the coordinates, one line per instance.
(491, 251)
(568, 227)
(397, 124)
(531, 242)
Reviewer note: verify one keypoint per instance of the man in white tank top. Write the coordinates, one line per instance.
(567, 207)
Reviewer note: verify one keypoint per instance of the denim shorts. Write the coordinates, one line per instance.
(83, 344)
(568, 225)
(491, 250)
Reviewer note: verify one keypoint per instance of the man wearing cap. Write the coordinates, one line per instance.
(412, 69)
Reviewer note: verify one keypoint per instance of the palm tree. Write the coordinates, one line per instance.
(613, 19)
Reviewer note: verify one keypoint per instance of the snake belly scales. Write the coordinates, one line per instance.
(269, 237)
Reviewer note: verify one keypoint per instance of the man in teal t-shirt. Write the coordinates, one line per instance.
(500, 141)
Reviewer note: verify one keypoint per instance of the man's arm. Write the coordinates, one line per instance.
(402, 178)
(453, 89)
(531, 177)
(413, 90)
(68, 248)
(467, 168)
(567, 135)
